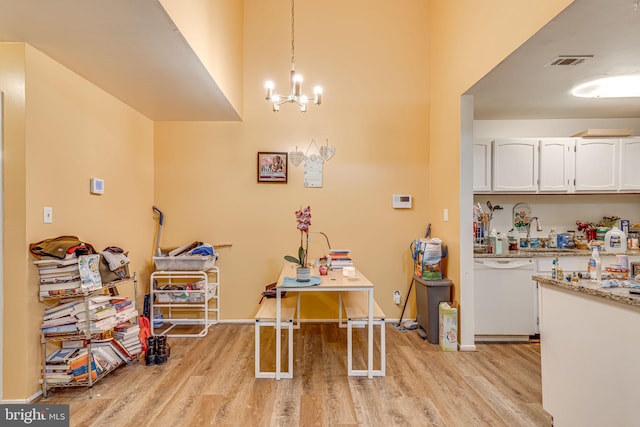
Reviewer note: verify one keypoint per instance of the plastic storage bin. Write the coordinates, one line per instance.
(429, 295)
(184, 263)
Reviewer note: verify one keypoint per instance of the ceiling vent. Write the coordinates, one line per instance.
(568, 60)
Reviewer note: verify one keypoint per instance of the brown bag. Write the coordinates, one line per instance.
(57, 247)
(270, 292)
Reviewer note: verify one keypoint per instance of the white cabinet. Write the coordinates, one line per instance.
(629, 166)
(596, 164)
(482, 166)
(556, 165)
(515, 165)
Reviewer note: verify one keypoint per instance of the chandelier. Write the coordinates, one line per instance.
(295, 96)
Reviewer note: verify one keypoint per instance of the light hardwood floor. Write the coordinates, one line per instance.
(210, 381)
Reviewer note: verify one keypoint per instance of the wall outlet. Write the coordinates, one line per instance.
(396, 297)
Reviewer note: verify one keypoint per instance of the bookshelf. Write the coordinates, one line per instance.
(65, 366)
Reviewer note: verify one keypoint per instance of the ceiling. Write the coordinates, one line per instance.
(522, 87)
(129, 48)
(133, 50)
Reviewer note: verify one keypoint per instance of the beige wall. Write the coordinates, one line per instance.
(73, 131)
(213, 29)
(466, 40)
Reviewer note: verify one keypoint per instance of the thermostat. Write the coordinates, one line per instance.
(97, 186)
(402, 201)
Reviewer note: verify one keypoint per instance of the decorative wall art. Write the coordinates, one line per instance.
(313, 163)
(272, 167)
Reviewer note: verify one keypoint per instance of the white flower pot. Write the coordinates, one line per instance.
(303, 274)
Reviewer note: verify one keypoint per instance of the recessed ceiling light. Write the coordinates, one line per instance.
(609, 87)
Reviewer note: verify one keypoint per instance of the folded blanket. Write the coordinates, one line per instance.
(292, 282)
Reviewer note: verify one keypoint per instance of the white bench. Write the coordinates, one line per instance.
(266, 316)
(356, 305)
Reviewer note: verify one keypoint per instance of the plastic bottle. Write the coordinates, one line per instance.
(595, 265)
(554, 268)
(615, 240)
(553, 238)
(502, 244)
(493, 241)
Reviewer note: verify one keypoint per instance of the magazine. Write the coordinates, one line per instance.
(89, 266)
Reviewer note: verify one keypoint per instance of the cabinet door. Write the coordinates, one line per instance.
(629, 170)
(515, 165)
(597, 164)
(482, 166)
(556, 164)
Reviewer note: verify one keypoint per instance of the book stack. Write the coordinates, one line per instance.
(128, 335)
(57, 368)
(59, 277)
(60, 319)
(340, 258)
(105, 312)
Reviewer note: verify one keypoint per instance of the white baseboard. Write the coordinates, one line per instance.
(467, 347)
(23, 401)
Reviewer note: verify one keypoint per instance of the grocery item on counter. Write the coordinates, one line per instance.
(553, 239)
(601, 233)
(615, 240)
(513, 240)
(595, 265)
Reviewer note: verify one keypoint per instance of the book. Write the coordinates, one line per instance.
(89, 271)
(74, 284)
(61, 329)
(57, 270)
(79, 366)
(59, 310)
(55, 261)
(65, 320)
(59, 278)
(102, 313)
(62, 356)
(122, 305)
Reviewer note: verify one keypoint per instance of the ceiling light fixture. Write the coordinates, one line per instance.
(296, 95)
(609, 87)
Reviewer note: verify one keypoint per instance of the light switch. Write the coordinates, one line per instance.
(47, 213)
(446, 214)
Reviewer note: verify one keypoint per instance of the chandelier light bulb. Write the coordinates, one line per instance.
(269, 87)
(317, 95)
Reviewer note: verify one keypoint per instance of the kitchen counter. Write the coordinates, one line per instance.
(590, 347)
(620, 294)
(552, 253)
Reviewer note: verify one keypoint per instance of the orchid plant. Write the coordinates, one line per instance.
(303, 218)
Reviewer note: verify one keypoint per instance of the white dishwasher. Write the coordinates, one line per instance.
(506, 299)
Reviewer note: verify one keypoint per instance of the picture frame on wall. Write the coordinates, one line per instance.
(273, 167)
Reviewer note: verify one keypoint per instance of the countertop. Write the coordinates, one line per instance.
(551, 253)
(620, 294)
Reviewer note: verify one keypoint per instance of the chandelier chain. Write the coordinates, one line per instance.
(293, 34)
